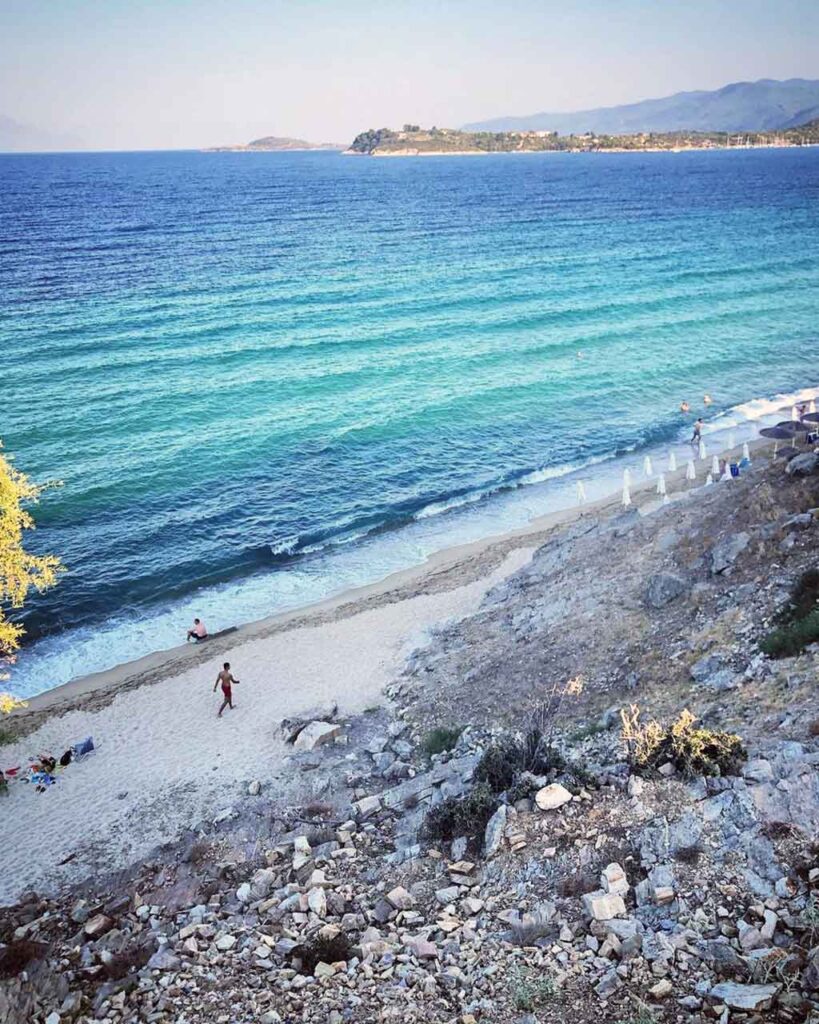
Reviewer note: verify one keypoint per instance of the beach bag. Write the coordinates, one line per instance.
(734, 469)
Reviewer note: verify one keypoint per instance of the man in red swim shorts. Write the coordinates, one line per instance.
(226, 679)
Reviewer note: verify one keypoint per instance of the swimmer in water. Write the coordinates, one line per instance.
(707, 399)
(685, 407)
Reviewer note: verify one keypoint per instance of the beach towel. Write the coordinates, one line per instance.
(84, 748)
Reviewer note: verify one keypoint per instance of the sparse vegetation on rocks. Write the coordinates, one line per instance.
(690, 750)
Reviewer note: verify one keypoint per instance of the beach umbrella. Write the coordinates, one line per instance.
(626, 478)
(661, 484)
(715, 466)
(581, 492)
(811, 417)
(778, 433)
(811, 407)
(626, 495)
(727, 474)
(672, 462)
(709, 480)
(647, 466)
(794, 413)
(690, 471)
(794, 426)
(666, 499)
(732, 441)
(703, 452)
(746, 452)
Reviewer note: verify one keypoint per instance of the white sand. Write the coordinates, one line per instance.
(163, 747)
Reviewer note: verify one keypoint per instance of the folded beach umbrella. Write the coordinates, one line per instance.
(811, 407)
(581, 492)
(709, 480)
(703, 452)
(661, 484)
(715, 466)
(626, 478)
(727, 475)
(626, 495)
(794, 413)
(672, 462)
(690, 471)
(746, 452)
(647, 466)
(732, 443)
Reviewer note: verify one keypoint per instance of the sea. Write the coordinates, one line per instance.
(265, 378)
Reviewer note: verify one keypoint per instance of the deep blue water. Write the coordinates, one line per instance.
(263, 377)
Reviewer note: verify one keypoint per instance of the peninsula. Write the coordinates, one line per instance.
(415, 141)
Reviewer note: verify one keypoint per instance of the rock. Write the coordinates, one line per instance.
(97, 925)
(721, 956)
(744, 997)
(53, 1018)
(613, 880)
(323, 970)
(662, 990)
(804, 464)
(636, 786)
(261, 883)
(423, 949)
(164, 960)
(225, 942)
(663, 588)
(316, 734)
(254, 788)
(366, 807)
(552, 796)
(714, 672)
(317, 901)
(602, 906)
(400, 898)
(726, 552)
(802, 521)
(608, 985)
(447, 895)
(243, 893)
(495, 828)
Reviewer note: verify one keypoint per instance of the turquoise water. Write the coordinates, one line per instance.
(266, 377)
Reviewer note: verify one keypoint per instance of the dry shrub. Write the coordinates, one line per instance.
(461, 816)
(323, 950)
(16, 956)
(693, 751)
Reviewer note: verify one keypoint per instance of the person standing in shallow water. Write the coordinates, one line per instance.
(226, 679)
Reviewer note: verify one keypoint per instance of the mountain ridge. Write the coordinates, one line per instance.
(765, 105)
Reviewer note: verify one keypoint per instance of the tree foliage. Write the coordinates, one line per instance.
(20, 571)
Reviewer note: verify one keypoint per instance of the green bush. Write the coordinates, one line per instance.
(461, 816)
(798, 624)
(504, 762)
(530, 991)
(436, 741)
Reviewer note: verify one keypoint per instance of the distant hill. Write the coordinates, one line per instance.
(765, 105)
(26, 138)
(274, 144)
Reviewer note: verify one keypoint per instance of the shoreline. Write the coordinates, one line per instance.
(473, 561)
(613, 149)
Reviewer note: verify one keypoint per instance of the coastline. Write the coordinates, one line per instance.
(598, 150)
(450, 567)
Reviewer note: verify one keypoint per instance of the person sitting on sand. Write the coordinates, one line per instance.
(199, 631)
(696, 437)
(685, 407)
(226, 679)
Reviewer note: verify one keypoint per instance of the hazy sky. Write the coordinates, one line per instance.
(144, 74)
